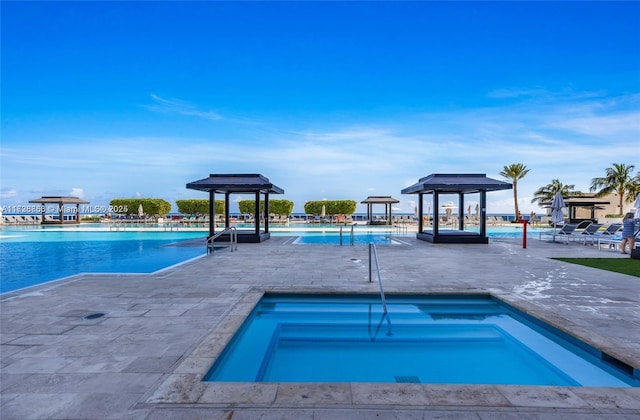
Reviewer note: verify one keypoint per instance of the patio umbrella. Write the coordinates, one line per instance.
(140, 210)
(636, 204)
(556, 212)
(323, 212)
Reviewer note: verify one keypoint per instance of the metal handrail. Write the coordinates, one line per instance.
(401, 227)
(373, 253)
(351, 236)
(233, 238)
(116, 224)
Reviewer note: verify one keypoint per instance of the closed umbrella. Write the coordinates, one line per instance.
(557, 216)
(636, 204)
(140, 210)
(323, 212)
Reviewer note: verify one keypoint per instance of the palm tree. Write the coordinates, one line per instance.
(634, 189)
(546, 193)
(617, 180)
(515, 172)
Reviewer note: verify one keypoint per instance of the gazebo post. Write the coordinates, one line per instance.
(212, 213)
(460, 211)
(227, 195)
(483, 213)
(420, 212)
(436, 214)
(267, 213)
(257, 213)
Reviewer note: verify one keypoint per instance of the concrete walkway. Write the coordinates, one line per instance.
(161, 332)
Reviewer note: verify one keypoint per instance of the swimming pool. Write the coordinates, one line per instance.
(33, 256)
(422, 339)
(333, 239)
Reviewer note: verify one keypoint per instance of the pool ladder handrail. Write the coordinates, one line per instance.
(233, 239)
(351, 236)
(373, 256)
(401, 227)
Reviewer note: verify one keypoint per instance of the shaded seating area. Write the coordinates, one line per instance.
(582, 207)
(387, 201)
(67, 209)
(435, 185)
(227, 184)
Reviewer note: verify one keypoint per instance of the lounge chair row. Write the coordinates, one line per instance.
(589, 233)
(23, 220)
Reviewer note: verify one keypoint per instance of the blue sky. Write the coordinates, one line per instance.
(336, 100)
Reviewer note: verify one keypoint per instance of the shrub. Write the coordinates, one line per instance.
(331, 207)
(129, 206)
(199, 206)
(282, 207)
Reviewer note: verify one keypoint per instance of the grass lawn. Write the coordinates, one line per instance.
(619, 265)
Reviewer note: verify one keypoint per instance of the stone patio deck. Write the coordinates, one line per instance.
(161, 332)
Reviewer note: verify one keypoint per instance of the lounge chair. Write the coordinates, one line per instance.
(607, 236)
(587, 232)
(566, 231)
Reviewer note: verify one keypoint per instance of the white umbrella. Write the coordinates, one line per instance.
(140, 210)
(636, 204)
(557, 216)
(323, 211)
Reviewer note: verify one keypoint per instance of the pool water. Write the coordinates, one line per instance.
(31, 257)
(333, 239)
(441, 339)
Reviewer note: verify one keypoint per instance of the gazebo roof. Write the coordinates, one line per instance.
(235, 183)
(59, 200)
(456, 183)
(380, 200)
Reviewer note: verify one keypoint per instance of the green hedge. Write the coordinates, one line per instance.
(331, 207)
(198, 206)
(129, 206)
(281, 207)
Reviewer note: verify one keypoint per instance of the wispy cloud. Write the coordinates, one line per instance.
(181, 107)
(77, 192)
(8, 192)
(572, 140)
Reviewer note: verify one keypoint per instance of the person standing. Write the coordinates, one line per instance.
(628, 232)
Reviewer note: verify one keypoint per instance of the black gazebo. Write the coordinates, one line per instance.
(460, 184)
(387, 201)
(228, 184)
(61, 207)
